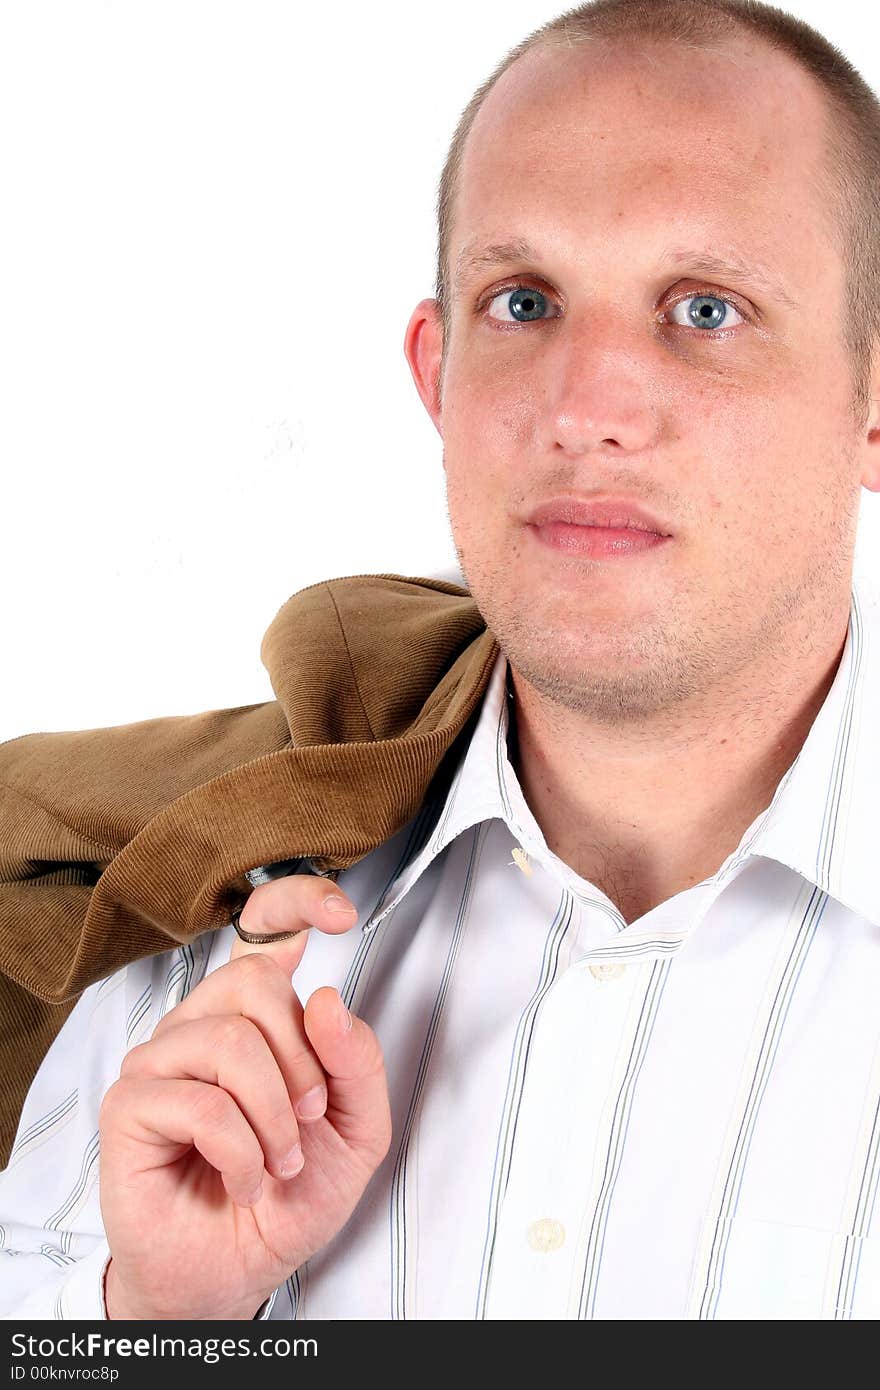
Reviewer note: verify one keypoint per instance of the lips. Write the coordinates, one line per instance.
(616, 513)
(608, 528)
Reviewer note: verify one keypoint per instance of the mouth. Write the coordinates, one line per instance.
(612, 528)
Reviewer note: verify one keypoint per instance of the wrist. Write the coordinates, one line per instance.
(119, 1308)
(113, 1309)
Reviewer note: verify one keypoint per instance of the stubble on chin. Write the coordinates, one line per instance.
(642, 672)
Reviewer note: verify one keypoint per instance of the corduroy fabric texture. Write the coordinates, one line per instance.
(122, 842)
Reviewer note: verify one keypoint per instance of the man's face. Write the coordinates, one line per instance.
(619, 169)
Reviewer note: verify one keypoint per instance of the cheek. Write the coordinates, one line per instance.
(781, 494)
(480, 504)
(488, 405)
(472, 500)
(488, 450)
(754, 442)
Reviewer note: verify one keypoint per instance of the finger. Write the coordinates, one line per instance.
(294, 903)
(165, 1118)
(229, 1051)
(351, 1056)
(257, 987)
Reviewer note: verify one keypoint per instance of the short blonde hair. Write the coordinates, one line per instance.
(853, 157)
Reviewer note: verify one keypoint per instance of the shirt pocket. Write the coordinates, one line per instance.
(758, 1270)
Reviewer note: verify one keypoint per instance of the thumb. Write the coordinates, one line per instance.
(278, 916)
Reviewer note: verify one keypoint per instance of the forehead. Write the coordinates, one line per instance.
(604, 140)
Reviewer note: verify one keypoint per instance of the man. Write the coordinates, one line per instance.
(612, 1049)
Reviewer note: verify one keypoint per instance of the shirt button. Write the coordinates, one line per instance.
(546, 1234)
(607, 970)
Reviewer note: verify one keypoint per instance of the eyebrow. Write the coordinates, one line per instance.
(501, 253)
(472, 260)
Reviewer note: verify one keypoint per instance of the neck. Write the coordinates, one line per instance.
(645, 812)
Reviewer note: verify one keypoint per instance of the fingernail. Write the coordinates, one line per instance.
(292, 1163)
(338, 904)
(313, 1103)
(346, 1020)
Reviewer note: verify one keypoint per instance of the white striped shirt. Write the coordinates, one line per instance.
(675, 1118)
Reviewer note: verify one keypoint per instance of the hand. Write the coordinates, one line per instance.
(208, 1202)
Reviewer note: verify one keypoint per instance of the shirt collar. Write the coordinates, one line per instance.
(820, 821)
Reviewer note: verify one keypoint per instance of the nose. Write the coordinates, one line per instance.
(601, 383)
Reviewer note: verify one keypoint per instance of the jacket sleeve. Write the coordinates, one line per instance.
(47, 871)
(70, 802)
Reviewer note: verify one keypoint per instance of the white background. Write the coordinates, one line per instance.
(216, 220)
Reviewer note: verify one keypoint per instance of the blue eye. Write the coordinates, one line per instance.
(707, 311)
(524, 304)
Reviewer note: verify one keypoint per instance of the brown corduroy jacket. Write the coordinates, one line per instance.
(119, 843)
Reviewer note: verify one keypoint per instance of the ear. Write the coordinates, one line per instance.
(423, 346)
(870, 478)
